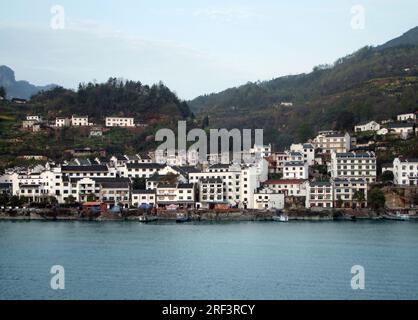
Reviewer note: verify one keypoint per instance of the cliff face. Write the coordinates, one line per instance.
(18, 89)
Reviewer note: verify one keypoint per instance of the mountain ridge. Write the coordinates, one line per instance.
(19, 89)
(371, 83)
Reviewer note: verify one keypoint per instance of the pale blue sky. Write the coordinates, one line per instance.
(194, 47)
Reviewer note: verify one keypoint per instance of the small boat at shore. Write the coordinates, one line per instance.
(181, 217)
(398, 217)
(281, 218)
(147, 218)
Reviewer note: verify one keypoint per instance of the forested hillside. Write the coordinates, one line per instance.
(372, 83)
(112, 98)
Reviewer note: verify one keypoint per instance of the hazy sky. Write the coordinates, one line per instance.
(194, 47)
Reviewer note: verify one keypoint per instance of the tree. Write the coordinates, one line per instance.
(2, 92)
(387, 176)
(359, 197)
(205, 122)
(91, 197)
(70, 200)
(52, 200)
(15, 201)
(305, 132)
(4, 199)
(376, 199)
(138, 184)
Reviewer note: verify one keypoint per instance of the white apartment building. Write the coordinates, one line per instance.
(288, 187)
(296, 170)
(266, 198)
(176, 158)
(350, 193)
(277, 161)
(211, 192)
(248, 183)
(330, 142)
(119, 122)
(144, 198)
(79, 121)
(407, 116)
(36, 118)
(239, 182)
(61, 122)
(307, 150)
(367, 126)
(354, 165)
(182, 195)
(91, 171)
(320, 194)
(230, 177)
(261, 151)
(139, 170)
(405, 171)
(403, 129)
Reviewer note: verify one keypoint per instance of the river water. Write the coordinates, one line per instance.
(244, 260)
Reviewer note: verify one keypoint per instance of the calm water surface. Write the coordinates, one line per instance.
(129, 260)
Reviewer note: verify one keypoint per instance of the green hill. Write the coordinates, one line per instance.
(112, 98)
(372, 83)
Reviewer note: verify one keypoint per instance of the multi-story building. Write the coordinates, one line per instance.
(402, 129)
(266, 198)
(79, 121)
(91, 171)
(139, 170)
(277, 161)
(330, 142)
(405, 171)
(114, 192)
(230, 175)
(350, 193)
(288, 187)
(407, 117)
(296, 170)
(181, 195)
(354, 165)
(261, 151)
(307, 150)
(211, 192)
(143, 198)
(119, 122)
(36, 118)
(320, 194)
(61, 122)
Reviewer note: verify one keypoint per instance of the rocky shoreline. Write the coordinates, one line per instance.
(242, 215)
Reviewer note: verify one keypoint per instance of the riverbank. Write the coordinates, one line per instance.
(203, 215)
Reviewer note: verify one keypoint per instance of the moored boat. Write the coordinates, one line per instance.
(147, 218)
(281, 218)
(181, 217)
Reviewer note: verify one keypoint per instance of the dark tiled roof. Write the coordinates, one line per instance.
(185, 186)
(219, 166)
(144, 166)
(115, 185)
(143, 191)
(401, 125)
(92, 168)
(162, 177)
(355, 155)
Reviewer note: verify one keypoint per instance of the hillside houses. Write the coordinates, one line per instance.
(367, 126)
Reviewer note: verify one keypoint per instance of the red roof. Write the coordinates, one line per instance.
(285, 181)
